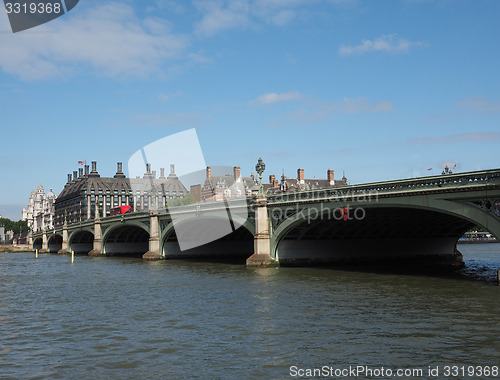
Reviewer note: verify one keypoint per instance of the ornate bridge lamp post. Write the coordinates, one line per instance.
(259, 168)
(262, 242)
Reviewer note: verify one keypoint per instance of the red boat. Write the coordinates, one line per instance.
(120, 210)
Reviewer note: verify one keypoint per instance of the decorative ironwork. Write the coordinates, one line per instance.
(451, 182)
(259, 168)
(491, 206)
(163, 224)
(278, 218)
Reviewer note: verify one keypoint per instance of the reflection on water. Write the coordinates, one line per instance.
(482, 261)
(124, 318)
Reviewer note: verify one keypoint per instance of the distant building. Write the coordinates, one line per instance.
(88, 192)
(40, 212)
(228, 186)
(300, 183)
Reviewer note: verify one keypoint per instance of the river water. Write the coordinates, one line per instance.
(122, 318)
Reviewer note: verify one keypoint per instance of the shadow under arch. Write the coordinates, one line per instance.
(380, 233)
(131, 240)
(38, 243)
(235, 247)
(54, 243)
(81, 242)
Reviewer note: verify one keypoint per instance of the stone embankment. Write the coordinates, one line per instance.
(16, 248)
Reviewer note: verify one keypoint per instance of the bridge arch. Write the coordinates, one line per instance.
(54, 243)
(217, 239)
(38, 243)
(387, 230)
(126, 239)
(81, 241)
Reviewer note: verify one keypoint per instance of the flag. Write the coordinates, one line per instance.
(429, 169)
(81, 162)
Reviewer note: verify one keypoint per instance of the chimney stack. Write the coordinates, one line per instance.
(94, 172)
(154, 174)
(300, 175)
(172, 169)
(69, 178)
(86, 170)
(75, 175)
(80, 172)
(209, 172)
(148, 168)
(330, 176)
(237, 172)
(162, 173)
(272, 178)
(119, 170)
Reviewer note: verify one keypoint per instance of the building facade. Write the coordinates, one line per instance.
(300, 183)
(87, 195)
(216, 188)
(40, 212)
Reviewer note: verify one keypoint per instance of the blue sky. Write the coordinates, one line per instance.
(380, 89)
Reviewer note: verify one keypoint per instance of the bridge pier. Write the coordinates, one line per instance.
(153, 252)
(64, 248)
(262, 243)
(45, 242)
(97, 251)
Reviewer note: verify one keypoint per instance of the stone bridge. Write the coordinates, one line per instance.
(417, 219)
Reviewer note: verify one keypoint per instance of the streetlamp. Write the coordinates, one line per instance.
(259, 168)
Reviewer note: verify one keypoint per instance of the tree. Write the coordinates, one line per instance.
(187, 200)
(16, 227)
(20, 226)
(7, 223)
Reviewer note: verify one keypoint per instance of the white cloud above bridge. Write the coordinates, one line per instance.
(109, 39)
(273, 97)
(387, 44)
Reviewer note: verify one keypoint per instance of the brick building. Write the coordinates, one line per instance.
(217, 188)
(85, 192)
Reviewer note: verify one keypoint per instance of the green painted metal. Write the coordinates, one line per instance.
(473, 196)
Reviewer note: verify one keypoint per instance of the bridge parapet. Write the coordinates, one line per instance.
(451, 182)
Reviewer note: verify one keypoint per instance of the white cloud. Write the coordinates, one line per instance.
(461, 137)
(314, 111)
(218, 16)
(164, 98)
(221, 15)
(273, 97)
(161, 120)
(110, 39)
(386, 44)
(479, 104)
(361, 104)
(283, 18)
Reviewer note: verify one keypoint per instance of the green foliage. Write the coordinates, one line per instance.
(16, 227)
(478, 229)
(187, 200)
(4, 222)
